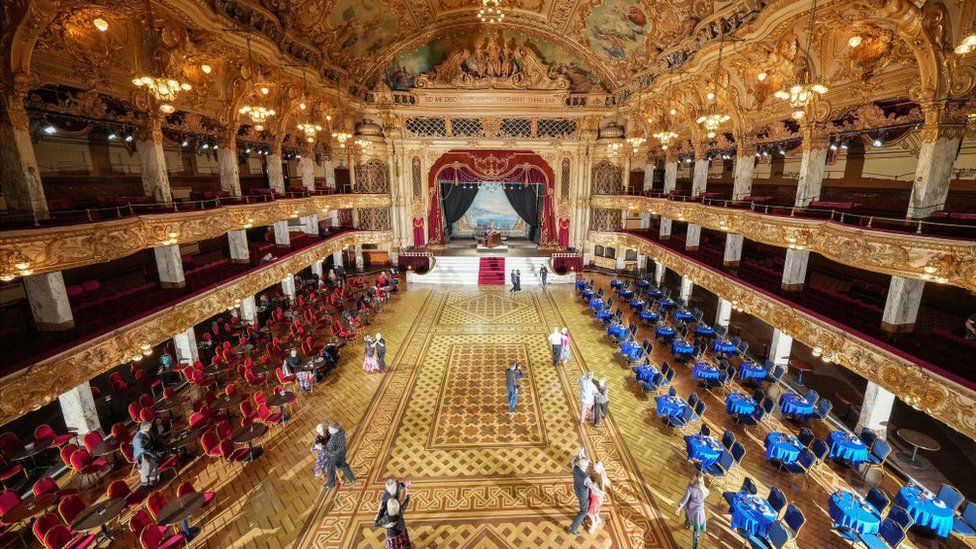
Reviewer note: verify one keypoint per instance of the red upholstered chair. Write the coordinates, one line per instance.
(187, 488)
(59, 536)
(44, 431)
(254, 380)
(91, 286)
(279, 390)
(119, 489)
(248, 413)
(147, 414)
(228, 451)
(91, 440)
(155, 503)
(282, 378)
(267, 416)
(43, 525)
(199, 419)
(210, 443)
(70, 507)
(260, 398)
(224, 429)
(47, 485)
(230, 389)
(141, 519)
(85, 465)
(146, 401)
(134, 410)
(8, 500)
(201, 379)
(9, 473)
(120, 431)
(75, 290)
(66, 452)
(154, 537)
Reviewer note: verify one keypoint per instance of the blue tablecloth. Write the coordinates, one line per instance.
(616, 283)
(751, 370)
(847, 446)
(679, 347)
(852, 513)
(646, 373)
(625, 293)
(738, 403)
(795, 405)
(664, 331)
(751, 513)
(597, 303)
(671, 406)
(643, 284)
(654, 293)
(666, 304)
(580, 284)
(704, 449)
(637, 303)
(782, 447)
(704, 370)
(927, 509)
(631, 350)
(704, 330)
(618, 331)
(648, 315)
(723, 346)
(683, 315)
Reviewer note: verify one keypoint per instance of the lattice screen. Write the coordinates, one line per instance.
(427, 126)
(564, 180)
(417, 178)
(374, 219)
(372, 177)
(516, 127)
(467, 127)
(555, 127)
(604, 220)
(606, 178)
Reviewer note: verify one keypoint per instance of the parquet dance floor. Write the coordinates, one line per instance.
(482, 478)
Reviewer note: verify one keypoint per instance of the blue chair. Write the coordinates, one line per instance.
(819, 449)
(794, 520)
(806, 437)
(868, 436)
(889, 536)
(775, 374)
(776, 537)
(654, 383)
(901, 516)
(672, 391)
(823, 408)
(880, 450)
(812, 396)
(950, 496)
(692, 398)
(686, 418)
(757, 415)
(877, 498)
(668, 375)
(699, 410)
(743, 347)
(720, 467)
(738, 452)
(965, 526)
(720, 330)
(729, 496)
(749, 486)
(803, 463)
(776, 499)
(704, 430)
(758, 396)
(728, 439)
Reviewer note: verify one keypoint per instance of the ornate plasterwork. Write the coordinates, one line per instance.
(41, 383)
(58, 248)
(938, 397)
(905, 255)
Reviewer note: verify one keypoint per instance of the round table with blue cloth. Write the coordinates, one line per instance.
(679, 347)
(704, 330)
(752, 370)
(853, 513)
(928, 510)
(646, 373)
(597, 303)
(625, 293)
(704, 370)
(588, 293)
(671, 406)
(643, 284)
(631, 350)
(616, 283)
(683, 315)
(637, 303)
(847, 446)
(618, 331)
(793, 404)
(782, 447)
(604, 314)
(664, 331)
(648, 315)
(654, 293)
(738, 403)
(751, 513)
(666, 304)
(580, 284)
(704, 449)
(723, 346)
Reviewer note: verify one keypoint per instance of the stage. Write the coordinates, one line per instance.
(514, 247)
(459, 265)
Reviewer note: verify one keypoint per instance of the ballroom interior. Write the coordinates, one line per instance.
(755, 220)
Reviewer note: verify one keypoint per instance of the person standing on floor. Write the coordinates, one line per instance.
(587, 395)
(601, 401)
(544, 275)
(598, 492)
(512, 376)
(380, 351)
(556, 341)
(518, 280)
(335, 455)
(581, 487)
(318, 448)
(514, 285)
(564, 354)
(396, 527)
(370, 363)
(394, 490)
(694, 506)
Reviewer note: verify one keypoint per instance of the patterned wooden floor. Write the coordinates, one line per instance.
(480, 477)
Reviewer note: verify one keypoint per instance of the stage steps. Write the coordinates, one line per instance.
(467, 270)
(491, 270)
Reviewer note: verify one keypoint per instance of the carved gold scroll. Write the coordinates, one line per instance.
(906, 255)
(58, 248)
(922, 389)
(41, 383)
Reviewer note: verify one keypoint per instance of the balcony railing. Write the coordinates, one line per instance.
(905, 254)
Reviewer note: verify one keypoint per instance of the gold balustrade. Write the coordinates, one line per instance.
(41, 383)
(36, 251)
(922, 389)
(907, 255)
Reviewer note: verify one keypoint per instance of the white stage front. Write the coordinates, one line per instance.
(464, 270)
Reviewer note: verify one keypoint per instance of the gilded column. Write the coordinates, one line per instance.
(230, 171)
(20, 177)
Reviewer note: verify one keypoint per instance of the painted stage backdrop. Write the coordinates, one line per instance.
(488, 206)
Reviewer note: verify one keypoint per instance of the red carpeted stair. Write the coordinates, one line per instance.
(491, 270)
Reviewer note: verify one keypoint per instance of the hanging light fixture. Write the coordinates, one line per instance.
(257, 114)
(666, 135)
(163, 88)
(714, 119)
(338, 134)
(308, 127)
(638, 140)
(803, 93)
(491, 11)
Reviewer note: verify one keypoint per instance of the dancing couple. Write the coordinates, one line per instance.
(590, 487)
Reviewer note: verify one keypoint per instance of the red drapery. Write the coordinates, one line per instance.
(418, 231)
(470, 166)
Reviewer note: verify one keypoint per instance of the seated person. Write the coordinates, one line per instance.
(292, 363)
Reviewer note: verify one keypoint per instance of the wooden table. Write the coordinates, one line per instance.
(917, 440)
(849, 396)
(246, 435)
(227, 402)
(29, 508)
(801, 367)
(181, 508)
(99, 515)
(30, 450)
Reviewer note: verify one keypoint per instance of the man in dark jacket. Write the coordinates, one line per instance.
(335, 455)
(512, 376)
(581, 487)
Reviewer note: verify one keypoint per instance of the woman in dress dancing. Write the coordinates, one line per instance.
(598, 491)
(370, 362)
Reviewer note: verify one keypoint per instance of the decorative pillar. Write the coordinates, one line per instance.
(335, 218)
(169, 264)
(619, 260)
(19, 173)
(648, 175)
(941, 137)
(337, 258)
(306, 167)
(779, 348)
(659, 270)
(330, 174)
(733, 250)
(686, 288)
(875, 409)
(310, 224)
(699, 182)
(185, 344)
(901, 306)
(49, 303)
(317, 268)
(795, 270)
(745, 165)
(670, 181)
(239, 252)
(78, 408)
(152, 160)
(288, 286)
(812, 163)
(641, 262)
(723, 313)
(230, 170)
(360, 263)
(249, 310)
(281, 235)
(276, 173)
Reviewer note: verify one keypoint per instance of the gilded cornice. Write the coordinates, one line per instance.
(58, 248)
(924, 390)
(41, 383)
(907, 255)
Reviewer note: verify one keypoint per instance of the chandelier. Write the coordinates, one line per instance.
(341, 137)
(802, 95)
(636, 142)
(713, 119)
(363, 144)
(665, 136)
(163, 89)
(257, 114)
(614, 147)
(310, 130)
(491, 11)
